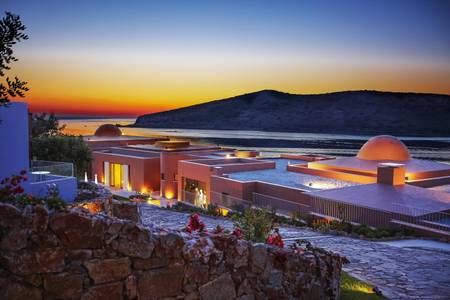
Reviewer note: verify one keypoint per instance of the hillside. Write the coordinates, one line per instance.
(353, 112)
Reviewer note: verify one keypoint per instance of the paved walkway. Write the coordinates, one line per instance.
(400, 273)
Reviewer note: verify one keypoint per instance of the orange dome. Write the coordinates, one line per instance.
(384, 147)
(108, 130)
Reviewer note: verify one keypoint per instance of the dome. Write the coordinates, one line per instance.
(384, 147)
(108, 130)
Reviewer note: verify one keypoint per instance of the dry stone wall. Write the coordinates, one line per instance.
(79, 255)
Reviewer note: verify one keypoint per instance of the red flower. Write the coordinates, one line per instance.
(195, 224)
(237, 232)
(275, 240)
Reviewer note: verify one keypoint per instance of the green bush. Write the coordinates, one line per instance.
(256, 224)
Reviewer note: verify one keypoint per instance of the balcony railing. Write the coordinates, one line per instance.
(227, 201)
(42, 170)
(282, 206)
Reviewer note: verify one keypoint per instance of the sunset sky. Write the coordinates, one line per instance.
(133, 57)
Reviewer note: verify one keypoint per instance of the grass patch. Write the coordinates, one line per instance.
(354, 289)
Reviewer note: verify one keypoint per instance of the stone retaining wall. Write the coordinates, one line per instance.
(79, 255)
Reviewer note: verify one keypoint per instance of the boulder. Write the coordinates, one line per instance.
(160, 283)
(20, 291)
(40, 218)
(78, 231)
(14, 239)
(150, 263)
(258, 256)
(63, 286)
(39, 261)
(108, 270)
(110, 291)
(126, 211)
(221, 288)
(9, 215)
(134, 241)
(197, 273)
(131, 287)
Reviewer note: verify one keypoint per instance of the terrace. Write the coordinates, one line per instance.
(280, 176)
(45, 174)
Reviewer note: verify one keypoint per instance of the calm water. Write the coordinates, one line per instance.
(434, 148)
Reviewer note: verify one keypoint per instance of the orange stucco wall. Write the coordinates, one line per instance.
(369, 178)
(144, 172)
(203, 169)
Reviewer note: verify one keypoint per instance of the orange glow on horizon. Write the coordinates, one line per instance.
(107, 87)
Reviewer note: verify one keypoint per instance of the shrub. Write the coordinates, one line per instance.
(255, 224)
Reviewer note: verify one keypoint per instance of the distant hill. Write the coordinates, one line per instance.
(352, 112)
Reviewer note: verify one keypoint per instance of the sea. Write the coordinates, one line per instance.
(269, 143)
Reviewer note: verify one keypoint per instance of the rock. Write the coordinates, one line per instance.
(10, 216)
(197, 273)
(171, 244)
(160, 283)
(192, 296)
(108, 270)
(199, 249)
(259, 256)
(44, 239)
(63, 286)
(246, 297)
(275, 278)
(19, 291)
(244, 287)
(134, 241)
(221, 288)
(39, 261)
(14, 239)
(77, 231)
(40, 218)
(110, 291)
(131, 287)
(79, 255)
(126, 211)
(150, 263)
(35, 280)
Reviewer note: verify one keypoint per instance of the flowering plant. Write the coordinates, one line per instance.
(10, 186)
(195, 224)
(218, 230)
(275, 239)
(237, 232)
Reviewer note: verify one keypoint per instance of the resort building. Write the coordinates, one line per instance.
(382, 186)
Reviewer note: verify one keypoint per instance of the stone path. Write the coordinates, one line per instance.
(400, 273)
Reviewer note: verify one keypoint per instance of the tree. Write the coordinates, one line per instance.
(64, 148)
(11, 32)
(45, 125)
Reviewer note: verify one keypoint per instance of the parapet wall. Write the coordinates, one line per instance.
(78, 255)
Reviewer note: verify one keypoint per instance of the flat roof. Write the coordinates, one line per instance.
(405, 199)
(281, 176)
(159, 149)
(94, 138)
(129, 152)
(354, 163)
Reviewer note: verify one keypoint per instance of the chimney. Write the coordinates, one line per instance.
(391, 174)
